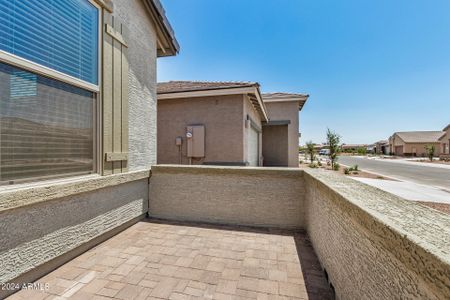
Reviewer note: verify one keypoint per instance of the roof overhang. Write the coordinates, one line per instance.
(277, 123)
(301, 99)
(251, 91)
(167, 45)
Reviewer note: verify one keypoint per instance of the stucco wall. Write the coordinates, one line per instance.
(275, 145)
(246, 196)
(375, 245)
(71, 215)
(142, 83)
(420, 149)
(372, 244)
(36, 234)
(445, 140)
(223, 118)
(287, 111)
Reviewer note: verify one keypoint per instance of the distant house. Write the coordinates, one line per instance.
(382, 147)
(445, 140)
(215, 123)
(281, 133)
(412, 143)
(227, 123)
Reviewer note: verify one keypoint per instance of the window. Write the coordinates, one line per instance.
(46, 127)
(48, 88)
(60, 35)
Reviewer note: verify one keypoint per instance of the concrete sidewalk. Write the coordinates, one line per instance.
(409, 190)
(409, 161)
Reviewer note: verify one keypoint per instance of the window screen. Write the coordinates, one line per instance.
(61, 35)
(46, 127)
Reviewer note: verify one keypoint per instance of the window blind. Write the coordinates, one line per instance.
(61, 35)
(46, 127)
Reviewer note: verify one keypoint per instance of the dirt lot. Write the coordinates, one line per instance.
(359, 173)
(438, 206)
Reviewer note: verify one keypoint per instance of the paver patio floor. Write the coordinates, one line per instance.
(155, 260)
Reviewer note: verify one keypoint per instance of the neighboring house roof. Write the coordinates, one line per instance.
(191, 89)
(420, 136)
(189, 86)
(382, 142)
(446, 129)
(284, 97)
(167, 44)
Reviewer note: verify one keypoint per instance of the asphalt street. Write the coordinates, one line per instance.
(408, 171)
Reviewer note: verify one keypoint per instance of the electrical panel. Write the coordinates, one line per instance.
(195, 136)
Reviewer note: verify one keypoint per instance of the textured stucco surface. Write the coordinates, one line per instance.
(33, 235)
(375, 245)
(18, 196)
(40, 224)
(275, 148)
(245, 196)
(223, 118)
(287, 111)
(142, 83)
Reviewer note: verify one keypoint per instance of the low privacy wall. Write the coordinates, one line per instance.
(375, 245)
(43, 226)
(272, 197)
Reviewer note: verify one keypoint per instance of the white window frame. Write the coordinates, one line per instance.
(25, 64)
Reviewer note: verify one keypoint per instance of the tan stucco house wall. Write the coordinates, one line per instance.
(229, 118)
(445, 141)
(281, 133)
(54, 220)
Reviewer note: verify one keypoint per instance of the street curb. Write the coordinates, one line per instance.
(377, 174)
(401, 180)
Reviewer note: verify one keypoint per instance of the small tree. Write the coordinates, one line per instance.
(430, 151)
(333, 140)
(310, 151)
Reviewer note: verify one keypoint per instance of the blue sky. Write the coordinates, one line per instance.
(370, 67)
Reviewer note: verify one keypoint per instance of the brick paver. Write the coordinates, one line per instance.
(155, 260)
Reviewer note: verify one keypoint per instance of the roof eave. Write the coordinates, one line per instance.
(167, 44)
(252, 89)
(300, 99)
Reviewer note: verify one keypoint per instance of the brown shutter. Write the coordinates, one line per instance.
(114, 96)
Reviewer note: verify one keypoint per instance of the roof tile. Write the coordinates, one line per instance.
(420, 136)
(188, 86)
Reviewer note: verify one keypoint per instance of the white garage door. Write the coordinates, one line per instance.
(252, 147)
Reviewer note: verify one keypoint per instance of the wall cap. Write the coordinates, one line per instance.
(17, 196)
(416, 235)
(208, 169)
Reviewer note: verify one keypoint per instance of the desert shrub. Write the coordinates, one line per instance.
(313, 165)
(336, 166)
(319, 163)
(355, 167)
(347, 171)
(430, 151)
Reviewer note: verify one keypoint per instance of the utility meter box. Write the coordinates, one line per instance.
(195, 136)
